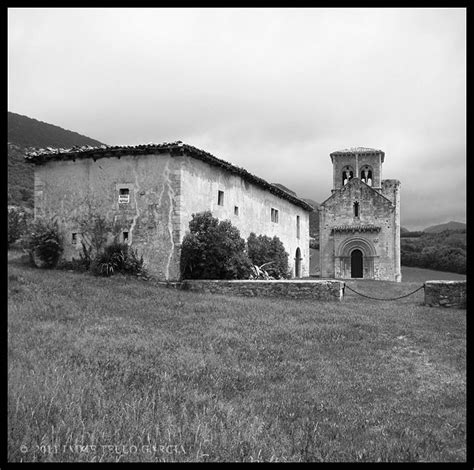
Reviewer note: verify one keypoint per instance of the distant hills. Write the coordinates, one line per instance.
(25, 132)
(436, 228)
(447, 226)
(284, 188)
(313, 219)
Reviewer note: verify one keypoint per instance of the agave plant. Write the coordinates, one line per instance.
(257, 272)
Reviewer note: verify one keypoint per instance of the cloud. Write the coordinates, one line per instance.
(272, 90)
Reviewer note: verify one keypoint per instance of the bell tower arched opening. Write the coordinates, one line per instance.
(347, 174)
(366, 175)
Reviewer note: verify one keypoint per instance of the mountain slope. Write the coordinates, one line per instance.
(447, 226)
(313, 219)
(313, 216)
(24, 132)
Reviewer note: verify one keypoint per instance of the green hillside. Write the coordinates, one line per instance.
(314, 221)
(441, 251)
(25, 132)
(447, 226)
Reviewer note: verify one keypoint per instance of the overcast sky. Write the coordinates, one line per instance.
(272, 90)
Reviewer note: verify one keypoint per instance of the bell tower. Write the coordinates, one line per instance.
(358, 162)
(359, 224)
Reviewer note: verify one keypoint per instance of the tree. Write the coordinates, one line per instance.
(213, 249)
(263, 249)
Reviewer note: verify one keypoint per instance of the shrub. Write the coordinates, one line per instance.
(213, 249)
(118, 258)
(44, 243)
(17, 224)
(263, 250)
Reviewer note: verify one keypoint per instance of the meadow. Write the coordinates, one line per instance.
(118, 369)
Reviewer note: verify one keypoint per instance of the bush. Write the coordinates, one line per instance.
(17, 224)
(44, 243)
(118, 258)
(213, 249)
(263, 250)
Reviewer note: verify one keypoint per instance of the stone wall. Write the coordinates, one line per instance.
(295, 289)
(77, 190)
(445, 294)
(164, 192)
(376, 210)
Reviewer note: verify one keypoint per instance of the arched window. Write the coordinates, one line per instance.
(366, 175)
(347, 174)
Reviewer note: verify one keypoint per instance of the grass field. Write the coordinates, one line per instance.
(410, 274)
(116, 369)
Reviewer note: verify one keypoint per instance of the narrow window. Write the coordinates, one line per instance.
(220, 198)
(274, 215)
(297, 226)
(236, 210)
(74, 239)
(356, 209)
(125, 236)
(124, 196)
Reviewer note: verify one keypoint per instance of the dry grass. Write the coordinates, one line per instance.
(168, 375)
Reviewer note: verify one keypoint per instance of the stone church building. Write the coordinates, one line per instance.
(150, 193)
(360, 222)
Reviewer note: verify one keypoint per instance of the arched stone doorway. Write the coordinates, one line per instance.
(298, 262)
(355, 257)
(357, 263)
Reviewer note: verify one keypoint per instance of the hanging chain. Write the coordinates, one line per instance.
(377, 298)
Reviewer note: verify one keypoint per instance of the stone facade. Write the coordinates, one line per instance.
(298, 289)
(360, 222)
(446, 294)
(150, 193)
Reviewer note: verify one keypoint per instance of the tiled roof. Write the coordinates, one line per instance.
(178, 148)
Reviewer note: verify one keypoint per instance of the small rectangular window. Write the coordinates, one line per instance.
(125, 236)
(274, 215)
(220, 198)
(124, 196)
(74, 239)
(236, 210)
(297, 226)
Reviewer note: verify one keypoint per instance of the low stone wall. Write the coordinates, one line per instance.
(295, 289)
(445, 294)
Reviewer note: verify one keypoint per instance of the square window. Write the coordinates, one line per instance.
(236, 210)
(74, 239)
(220, 198)
(124, 196)
(125, 236)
